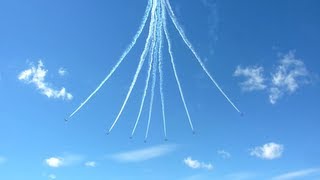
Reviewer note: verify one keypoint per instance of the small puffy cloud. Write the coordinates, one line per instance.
(224, 154)
(62, 71)
(298, 174)
(66, 160)
(290, 74)
(54, 162)
(144, 154)
(254, 78)
(268, 151)
(90, 164)
(195, 164)
(36, 75)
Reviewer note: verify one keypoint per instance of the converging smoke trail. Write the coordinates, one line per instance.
(125, 53)
(154, 56)
(187, 42)
(174, 68)
(160, 71)
(148, 75)
(142, 59)
(154, 78)
(143, 97)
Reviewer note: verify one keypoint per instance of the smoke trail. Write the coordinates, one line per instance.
(154, 55)
(187, 42)
(125, 53)
(148, 78)
(160, 70)
(174, 68)
(154, 78)
(142, 59)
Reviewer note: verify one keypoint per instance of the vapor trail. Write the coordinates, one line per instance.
(142, 59)
(148, 77)
(160, 70)
(174, 68)
(187, 42)
(154, 78)
(124, 54)
(154, 56)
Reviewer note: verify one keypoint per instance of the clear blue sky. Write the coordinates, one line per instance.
(264, 54)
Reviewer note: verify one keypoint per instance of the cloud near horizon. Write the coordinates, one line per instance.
(144, 154)
(62, 161)
(297, 174)
(36, 75)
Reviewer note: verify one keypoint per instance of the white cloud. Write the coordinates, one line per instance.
(52, 176)
(224, 154)
(290, 74)
(62, 71)
(195, 164)
(54, 162)
(144, 154)
(90, 164)
(36, 75)
(66, 160)
(297, 174)
(268, 151)
(254, 78)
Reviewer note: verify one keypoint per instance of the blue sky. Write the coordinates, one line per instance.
(264, 55)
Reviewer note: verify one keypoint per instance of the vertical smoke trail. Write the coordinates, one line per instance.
(187, 42)
(154, 78)
(142, 59)
(174, 68)
(125, 53)
(148, 76)
(160, 70)
(154, 56)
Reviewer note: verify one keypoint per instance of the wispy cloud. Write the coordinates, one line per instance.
(195, 164)
(242, 176)
(36, 75)
(90, 164)
(66, 160)
(289, 75)
(268, 151)
(62, 71)
(144, 154)
(52, 176)
(2, 160)
(254, 78)
(224, 154)
(298, 174)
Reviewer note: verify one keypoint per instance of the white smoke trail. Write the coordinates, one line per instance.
(148, 77)
(142, 59)
(187, 42)
(125, 53)
(154, 78)
(160, 70)
(174, 68)
(154, 56)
